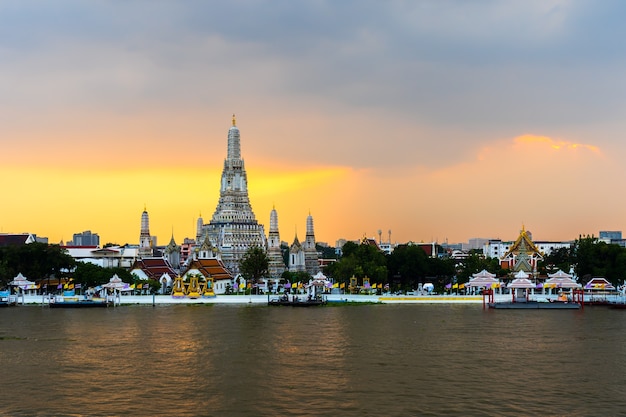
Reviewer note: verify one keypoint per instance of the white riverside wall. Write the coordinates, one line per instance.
(262, 299)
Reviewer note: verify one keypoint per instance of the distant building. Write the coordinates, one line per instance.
(432, 249)
(85, 238)
(475, 243)
(110, 257)
(386, 247)
(186, 250)
(339, 247)
(612, 237)
(19, 239)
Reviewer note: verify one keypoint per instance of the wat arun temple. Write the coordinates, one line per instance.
(234, 229)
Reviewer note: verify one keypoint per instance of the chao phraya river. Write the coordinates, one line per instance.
(351, 360)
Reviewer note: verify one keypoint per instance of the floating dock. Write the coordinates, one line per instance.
(529, 305)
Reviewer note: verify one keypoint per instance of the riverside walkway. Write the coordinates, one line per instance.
(262, 299)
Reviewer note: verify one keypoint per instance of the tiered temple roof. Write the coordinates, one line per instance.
(523, 254)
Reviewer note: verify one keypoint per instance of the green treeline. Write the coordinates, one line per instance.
(409, 265)
(404, 269)
(40, 261)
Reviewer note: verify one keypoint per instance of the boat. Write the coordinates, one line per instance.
(60, 301)
(7, 300)
(296, 301)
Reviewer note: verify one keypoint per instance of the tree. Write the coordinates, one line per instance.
(560, 258)
(36, 261)
(408, 265)
(326, 252)
(90, 275)
(254, 265)
(359, 261)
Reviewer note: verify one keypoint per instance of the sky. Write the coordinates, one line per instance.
(425, 120)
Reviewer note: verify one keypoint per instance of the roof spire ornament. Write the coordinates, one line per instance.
(234, 120)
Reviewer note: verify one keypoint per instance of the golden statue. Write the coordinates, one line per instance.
(208, 288)
(193, 290)
(178, 288)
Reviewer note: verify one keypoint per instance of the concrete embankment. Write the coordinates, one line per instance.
(262, 299)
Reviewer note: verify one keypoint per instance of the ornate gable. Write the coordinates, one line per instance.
(523, 255)
(207, 250)
(295, 246)
(523, 244)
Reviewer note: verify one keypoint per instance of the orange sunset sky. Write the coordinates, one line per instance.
(435, 120)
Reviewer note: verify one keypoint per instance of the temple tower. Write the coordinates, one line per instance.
(297, 260)
(310, 252)
(172, 253)
(199, 230)
(276, 263)
(233, 229)
(145, 240)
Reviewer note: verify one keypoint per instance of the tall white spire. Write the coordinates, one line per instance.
(276, 265)
(274, 235)
(234, 146)
(273, 220)
(310, 251)
(233, 229)
(309, 225)
(145, 240)
(199, 232)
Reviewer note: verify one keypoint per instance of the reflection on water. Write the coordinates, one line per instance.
(392, 360)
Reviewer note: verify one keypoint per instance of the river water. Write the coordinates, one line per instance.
(354, 360)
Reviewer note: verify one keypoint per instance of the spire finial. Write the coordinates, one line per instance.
(234, 120)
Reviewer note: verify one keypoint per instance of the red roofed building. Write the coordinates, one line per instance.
(207, 261)
(158, 269)
(212, 268)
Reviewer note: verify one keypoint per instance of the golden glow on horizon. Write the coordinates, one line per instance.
(57, 203)
(524, 179)
(294, 180)
(554, 144)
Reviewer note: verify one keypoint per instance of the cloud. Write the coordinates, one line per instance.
(557, 145)
(554, 184)
(401, 106)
